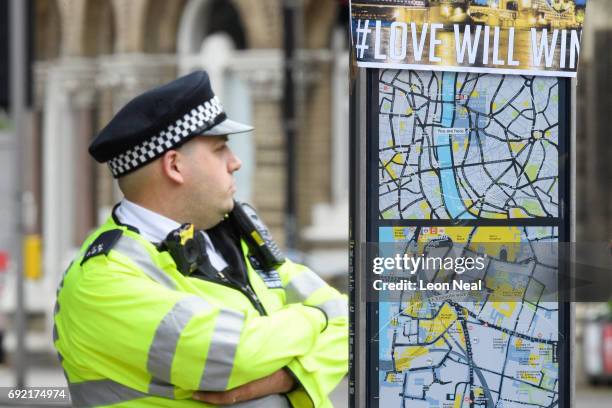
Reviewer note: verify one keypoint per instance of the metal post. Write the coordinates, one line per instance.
(573, 224)
(17, 75)
(357, 240)
(291, 24)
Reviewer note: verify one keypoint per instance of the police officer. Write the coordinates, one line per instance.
(181, 298)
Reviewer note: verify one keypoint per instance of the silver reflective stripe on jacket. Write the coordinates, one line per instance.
(223, 345)
(101, 392)
(271, 401)
(107, 392)
(56, 310)
(302, 286)
(167, 334)
(161, 388)
(335, 308)
(135, 251)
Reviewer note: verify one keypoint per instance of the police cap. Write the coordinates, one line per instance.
(159, 120)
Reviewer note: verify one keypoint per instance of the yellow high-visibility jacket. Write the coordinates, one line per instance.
(131, 330)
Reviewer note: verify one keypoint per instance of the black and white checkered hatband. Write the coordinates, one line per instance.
(198, 119)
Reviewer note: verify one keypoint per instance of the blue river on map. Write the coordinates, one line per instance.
(385, 235)
(450, 192)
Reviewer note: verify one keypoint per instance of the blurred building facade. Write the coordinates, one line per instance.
(93, 56)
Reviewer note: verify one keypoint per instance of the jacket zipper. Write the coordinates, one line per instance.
(246, 290)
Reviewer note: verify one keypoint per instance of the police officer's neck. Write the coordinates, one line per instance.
(176, 211)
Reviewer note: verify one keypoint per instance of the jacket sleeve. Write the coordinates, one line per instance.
(121, 322)
(321, 369)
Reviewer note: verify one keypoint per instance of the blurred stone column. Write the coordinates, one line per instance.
(69, 92)
(592, 132)
(262, 71)
(122, 77)
(602, 167)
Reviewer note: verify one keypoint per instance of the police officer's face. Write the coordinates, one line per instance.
(209, 179)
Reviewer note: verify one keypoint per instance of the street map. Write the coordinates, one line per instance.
(483, 352)
(475, 149)
(467, 146)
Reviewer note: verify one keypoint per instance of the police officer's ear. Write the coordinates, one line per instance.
(173, 165)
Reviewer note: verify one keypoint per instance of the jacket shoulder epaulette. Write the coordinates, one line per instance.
(103, 244)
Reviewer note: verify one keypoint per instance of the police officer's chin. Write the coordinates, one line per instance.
(231, 205)
(227, 211)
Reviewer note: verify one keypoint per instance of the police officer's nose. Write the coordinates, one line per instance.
(235, 163)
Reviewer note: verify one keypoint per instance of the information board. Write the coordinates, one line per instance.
(466, 166)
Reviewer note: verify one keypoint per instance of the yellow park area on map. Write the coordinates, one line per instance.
(436, 328)
(495, 238)
(485, 241)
